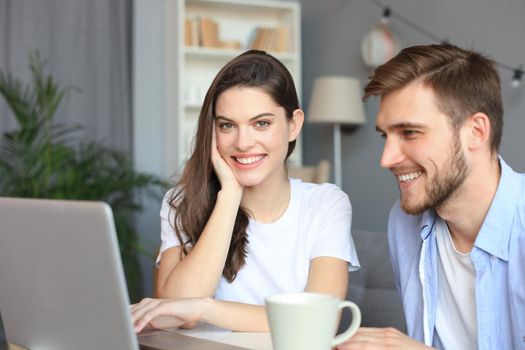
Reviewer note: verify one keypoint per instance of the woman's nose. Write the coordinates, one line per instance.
(245, 139)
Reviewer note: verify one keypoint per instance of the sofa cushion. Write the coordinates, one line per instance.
(372, 287)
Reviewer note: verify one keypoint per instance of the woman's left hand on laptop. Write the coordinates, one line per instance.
(166, 313)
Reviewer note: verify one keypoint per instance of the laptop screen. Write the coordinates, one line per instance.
(62, 284)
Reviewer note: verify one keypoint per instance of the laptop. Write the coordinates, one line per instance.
(62, 283)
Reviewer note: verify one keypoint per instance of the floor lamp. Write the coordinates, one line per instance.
(336, 100)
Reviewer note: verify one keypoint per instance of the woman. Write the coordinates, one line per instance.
(237, 229)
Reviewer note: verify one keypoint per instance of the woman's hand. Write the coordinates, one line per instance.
(166, 313)
(222, 168)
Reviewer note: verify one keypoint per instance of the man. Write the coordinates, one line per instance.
(457, 234)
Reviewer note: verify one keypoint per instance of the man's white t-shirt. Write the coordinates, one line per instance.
(316, 223)
(456, 326)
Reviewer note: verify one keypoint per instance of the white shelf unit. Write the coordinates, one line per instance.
(190, 70)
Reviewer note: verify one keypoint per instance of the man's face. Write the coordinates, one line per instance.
(421, 148)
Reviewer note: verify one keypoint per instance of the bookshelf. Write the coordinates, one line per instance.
(189, 65)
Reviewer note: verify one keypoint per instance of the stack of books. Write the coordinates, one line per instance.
(204, 32)
(270, 39)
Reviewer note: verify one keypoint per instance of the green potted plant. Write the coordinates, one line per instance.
(44, 159)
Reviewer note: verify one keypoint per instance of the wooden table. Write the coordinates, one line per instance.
(255, 341)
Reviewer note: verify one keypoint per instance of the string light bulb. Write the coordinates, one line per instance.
(380, 44)
(517, 77)
(387, 12)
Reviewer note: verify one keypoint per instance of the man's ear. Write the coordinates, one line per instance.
(478, 131)
(296, 124)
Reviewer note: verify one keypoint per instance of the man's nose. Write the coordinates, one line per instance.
(392, 154)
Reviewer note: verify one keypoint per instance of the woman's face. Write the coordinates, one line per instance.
(253, 134)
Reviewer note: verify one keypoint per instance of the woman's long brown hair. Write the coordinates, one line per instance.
(196, 193)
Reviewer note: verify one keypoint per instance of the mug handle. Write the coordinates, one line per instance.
(354, 326)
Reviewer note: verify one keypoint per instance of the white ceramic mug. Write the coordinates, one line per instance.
(308, 321)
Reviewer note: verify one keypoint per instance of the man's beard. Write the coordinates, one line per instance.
(443, 184)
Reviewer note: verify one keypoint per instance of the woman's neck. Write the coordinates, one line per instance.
(268, 201)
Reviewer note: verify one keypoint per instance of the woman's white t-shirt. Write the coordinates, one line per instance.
(316, 223)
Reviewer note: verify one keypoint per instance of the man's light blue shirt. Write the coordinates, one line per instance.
(498, 257)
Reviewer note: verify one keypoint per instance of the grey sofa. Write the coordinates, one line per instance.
(372, 287)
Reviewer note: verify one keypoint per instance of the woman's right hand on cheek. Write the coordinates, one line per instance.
(222, 168)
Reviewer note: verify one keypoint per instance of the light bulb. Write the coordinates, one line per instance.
(516, 78)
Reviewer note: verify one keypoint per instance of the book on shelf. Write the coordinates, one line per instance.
(192, 35)
(256, 39)
(188, 32)
(282, 39)
(266, 39)
(209, 32)
(270, 39)
(204, 32)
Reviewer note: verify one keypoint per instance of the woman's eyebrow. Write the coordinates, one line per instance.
(266, 114)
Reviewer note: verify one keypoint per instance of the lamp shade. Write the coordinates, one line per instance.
(336, 100)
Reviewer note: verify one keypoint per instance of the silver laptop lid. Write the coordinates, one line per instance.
(61, 280)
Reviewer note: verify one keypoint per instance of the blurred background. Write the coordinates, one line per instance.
(135, 73)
